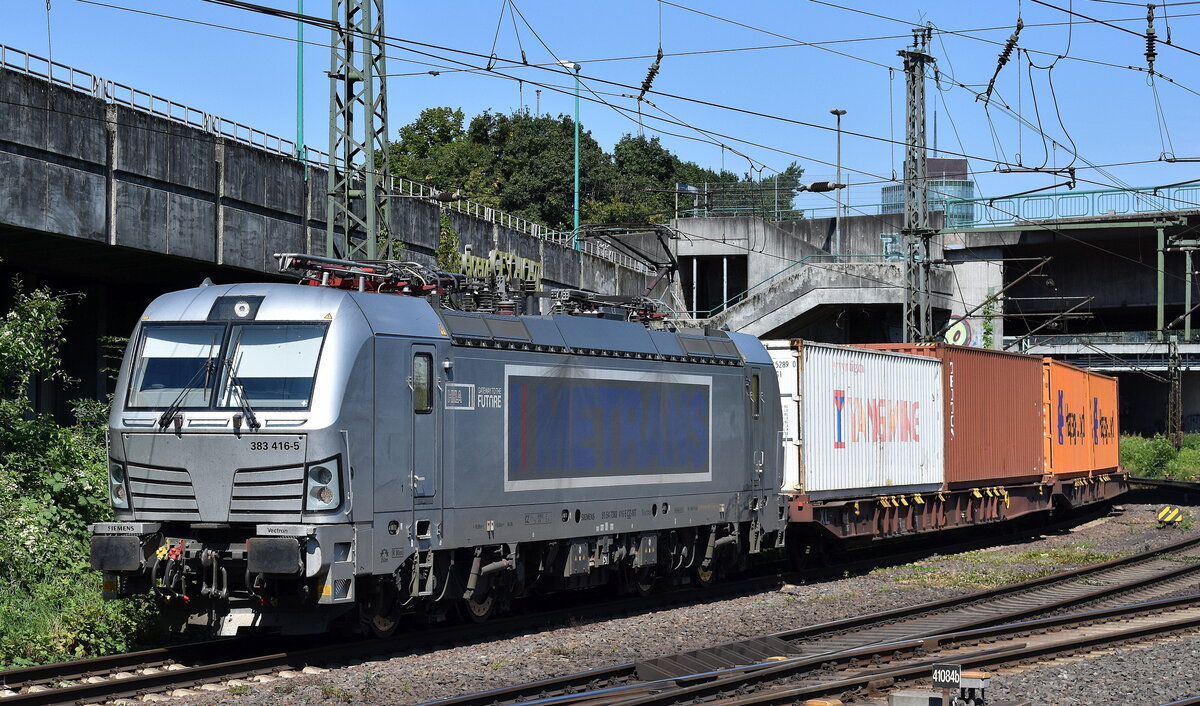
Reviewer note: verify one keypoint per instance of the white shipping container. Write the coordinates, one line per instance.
(858, 422)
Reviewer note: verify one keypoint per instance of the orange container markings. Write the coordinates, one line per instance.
(1071, 431)
(993, 401)
(1105, 431)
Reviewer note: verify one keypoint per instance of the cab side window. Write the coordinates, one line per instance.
(755, 396)
(422, 383)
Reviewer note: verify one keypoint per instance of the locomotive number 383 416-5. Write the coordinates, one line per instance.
(274, 445)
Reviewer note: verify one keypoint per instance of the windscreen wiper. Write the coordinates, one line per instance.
(243, 402)
(173, 409)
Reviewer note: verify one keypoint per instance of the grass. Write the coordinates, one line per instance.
(990, 569)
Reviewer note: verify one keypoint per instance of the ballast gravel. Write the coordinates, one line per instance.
(1148, 673)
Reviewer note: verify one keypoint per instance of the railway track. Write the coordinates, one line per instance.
(201, 665)
(1108, 589)
(193, 666)
(1182, 486)
(883, 666)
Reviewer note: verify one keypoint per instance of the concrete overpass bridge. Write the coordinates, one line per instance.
(1130, 252)
(123, 195)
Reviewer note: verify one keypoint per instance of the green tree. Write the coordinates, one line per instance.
(423, 140)
(524, 164)
(448, 257)
(533, 164)
(647, 177)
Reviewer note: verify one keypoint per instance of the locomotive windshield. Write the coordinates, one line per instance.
(267, 365)
(273, 365)
(174, 365)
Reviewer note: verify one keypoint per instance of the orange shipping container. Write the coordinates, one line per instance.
(993, 413)
(1068, 401)
(1106, 454)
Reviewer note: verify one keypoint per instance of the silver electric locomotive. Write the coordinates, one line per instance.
(286, 455)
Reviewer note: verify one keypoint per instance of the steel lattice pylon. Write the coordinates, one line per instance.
(918, 310)
(357, 221)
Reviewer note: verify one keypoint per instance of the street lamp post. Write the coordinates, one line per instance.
(575, 66)
(837, 214)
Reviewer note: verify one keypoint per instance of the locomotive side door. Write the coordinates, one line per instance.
(393, 494)
(426, 431)
(756, 422)
(407, 437)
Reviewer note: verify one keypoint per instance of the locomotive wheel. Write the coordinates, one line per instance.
(479, 610)
(381, 615)
(704, 578)
(644, 583)
(383, 626)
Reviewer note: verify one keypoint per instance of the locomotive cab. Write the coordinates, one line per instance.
(230, 467)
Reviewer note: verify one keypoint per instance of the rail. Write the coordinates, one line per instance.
(115, 93)
(792, 655)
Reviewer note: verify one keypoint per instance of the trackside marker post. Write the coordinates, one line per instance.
(947, 678)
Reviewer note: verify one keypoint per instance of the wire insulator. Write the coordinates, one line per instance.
(1150, 52)
(651, 73)
(1005, 55)
(1151, 38)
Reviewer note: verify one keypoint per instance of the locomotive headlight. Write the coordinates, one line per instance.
(324, 486)
(321, 475)
(116, 486)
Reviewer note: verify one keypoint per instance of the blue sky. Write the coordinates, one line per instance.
(1107, 111)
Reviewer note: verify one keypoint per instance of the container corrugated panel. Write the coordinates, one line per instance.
(786, 359)
(872, 421)
(1068, 444)
(993, 412)
(1104, 426)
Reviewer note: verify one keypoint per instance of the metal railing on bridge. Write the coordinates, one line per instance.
(984, 212)
(121, 94)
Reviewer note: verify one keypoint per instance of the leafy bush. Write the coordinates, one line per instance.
(52, 485)
(1185, 465)
(1146, 457)
(1154, 457)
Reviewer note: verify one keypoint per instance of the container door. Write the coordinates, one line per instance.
(426, 429)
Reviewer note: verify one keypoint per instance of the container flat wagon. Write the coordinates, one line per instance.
(890, 440)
